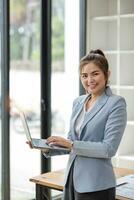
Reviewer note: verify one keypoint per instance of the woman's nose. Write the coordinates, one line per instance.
(90, 79)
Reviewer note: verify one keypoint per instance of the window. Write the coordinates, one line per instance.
(65, 73)
(65, 62)
(24, 93)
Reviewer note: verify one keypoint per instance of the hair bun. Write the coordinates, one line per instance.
(97, 51)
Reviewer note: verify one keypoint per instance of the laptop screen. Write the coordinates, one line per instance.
(25, 125)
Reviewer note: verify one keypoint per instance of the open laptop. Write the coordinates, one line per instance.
(37, 143)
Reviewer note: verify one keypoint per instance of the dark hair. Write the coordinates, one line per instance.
(98, 58)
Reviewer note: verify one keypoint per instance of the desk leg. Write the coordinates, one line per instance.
(42, 193)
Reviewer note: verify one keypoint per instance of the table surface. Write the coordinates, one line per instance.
(55, 179)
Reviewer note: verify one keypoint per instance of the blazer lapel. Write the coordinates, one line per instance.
(98, 105)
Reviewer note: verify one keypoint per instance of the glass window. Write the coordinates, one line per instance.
(24, 93)
(65, 62)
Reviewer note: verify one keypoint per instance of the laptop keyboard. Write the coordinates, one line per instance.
(39, 143)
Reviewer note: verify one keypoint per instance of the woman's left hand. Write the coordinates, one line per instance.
(59, 141)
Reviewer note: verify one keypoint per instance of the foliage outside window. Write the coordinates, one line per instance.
(25, 34)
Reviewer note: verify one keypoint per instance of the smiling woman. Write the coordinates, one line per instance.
(97, 125)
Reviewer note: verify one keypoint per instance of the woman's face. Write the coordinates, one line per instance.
(93, 79)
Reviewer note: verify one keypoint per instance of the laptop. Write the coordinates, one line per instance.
(37, 143)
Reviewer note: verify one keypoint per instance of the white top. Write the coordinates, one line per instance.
(80, 119)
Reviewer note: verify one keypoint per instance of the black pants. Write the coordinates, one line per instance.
(71, 194)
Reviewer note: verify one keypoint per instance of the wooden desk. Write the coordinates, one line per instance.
(55, 180)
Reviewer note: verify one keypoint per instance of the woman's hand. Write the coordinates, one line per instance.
(59, 141)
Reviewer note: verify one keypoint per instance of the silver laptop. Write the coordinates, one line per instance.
(37, 143)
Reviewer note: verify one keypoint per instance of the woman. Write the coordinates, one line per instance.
(96, 127)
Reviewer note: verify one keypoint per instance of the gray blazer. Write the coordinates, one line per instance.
(100, 136)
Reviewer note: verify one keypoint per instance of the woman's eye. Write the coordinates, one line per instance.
(84, 76)
(95, 74)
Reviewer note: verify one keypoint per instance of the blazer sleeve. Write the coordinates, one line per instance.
(114, 129)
